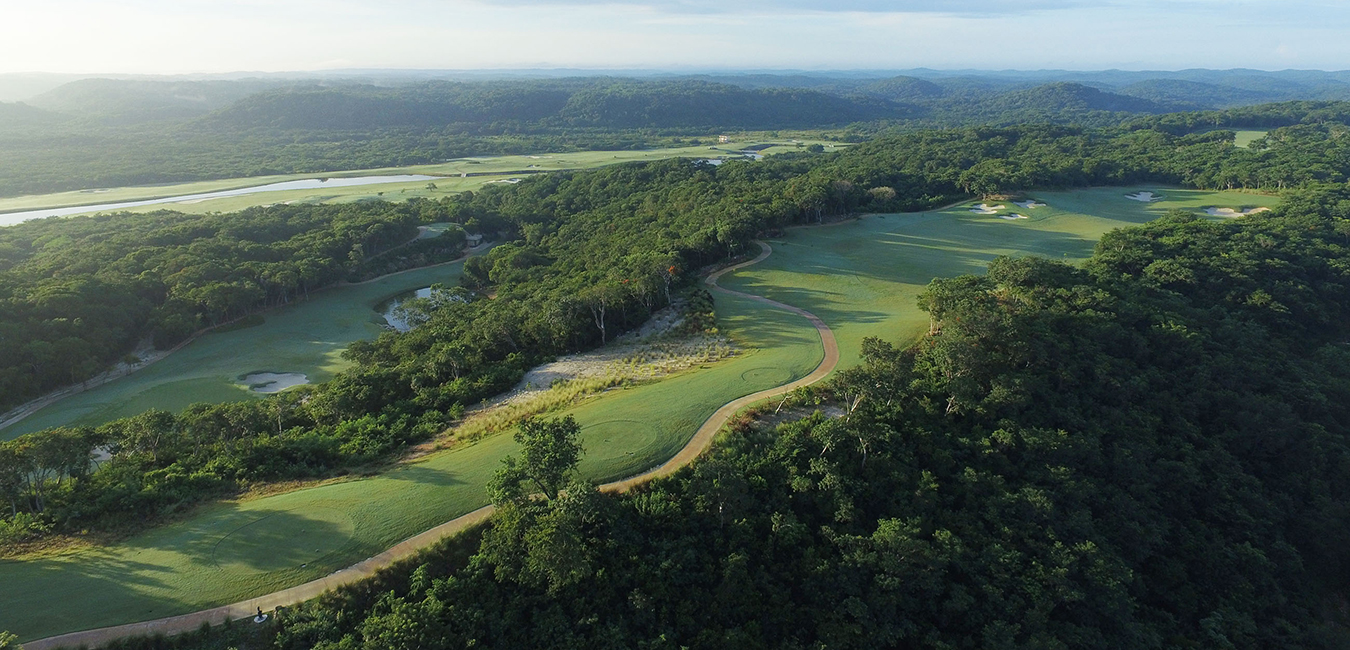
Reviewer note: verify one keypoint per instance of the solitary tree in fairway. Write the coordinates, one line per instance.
(549, 452)
(550, 542)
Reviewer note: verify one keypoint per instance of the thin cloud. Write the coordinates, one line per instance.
(955, 7)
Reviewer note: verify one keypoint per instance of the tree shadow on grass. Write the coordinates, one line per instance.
(757, 328)
(247, 541)
(920, 254)
(424, 475)
(51, 596)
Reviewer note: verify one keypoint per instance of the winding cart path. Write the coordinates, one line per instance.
(299, 593)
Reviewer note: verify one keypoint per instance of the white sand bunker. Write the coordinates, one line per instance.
(1146, 197)
(273, 382)
(1012, 217)
(1029, 204)
(985, 208)
(1230, 212)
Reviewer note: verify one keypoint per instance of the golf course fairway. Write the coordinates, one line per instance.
(231, 551)
(859, 277)
(306, 337)
(863, 277)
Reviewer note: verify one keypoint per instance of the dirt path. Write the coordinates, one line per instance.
(299, 593)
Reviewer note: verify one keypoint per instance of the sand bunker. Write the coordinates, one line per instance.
(273, 382)
(1029, 204)
(1012, 217)
(1230, 212)
(985, 208)
(1146, 197)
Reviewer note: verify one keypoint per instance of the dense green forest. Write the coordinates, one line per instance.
(1148, 451)
(107, 133)
(587, 255)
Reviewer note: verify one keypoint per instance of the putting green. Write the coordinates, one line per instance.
(306, 337)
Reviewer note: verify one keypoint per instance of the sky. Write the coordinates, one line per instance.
(200, 36)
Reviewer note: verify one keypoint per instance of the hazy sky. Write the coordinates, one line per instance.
(174, 36)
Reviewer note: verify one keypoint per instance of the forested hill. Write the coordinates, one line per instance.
(107, 133)
(585, 255)
(1149, 451)
(613, 104)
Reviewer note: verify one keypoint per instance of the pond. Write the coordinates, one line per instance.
(12, 218)
(390, 309)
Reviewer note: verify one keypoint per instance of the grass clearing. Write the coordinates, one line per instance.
(1245, 138)
(306, 337)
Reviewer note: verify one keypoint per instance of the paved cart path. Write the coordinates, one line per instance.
(299, 593)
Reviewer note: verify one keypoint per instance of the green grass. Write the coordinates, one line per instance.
(860, 277)
(452, 182)
(1245, 137)
(436, 230)
(863, 278)
(630, 430)
(306, 337)
(228, 552)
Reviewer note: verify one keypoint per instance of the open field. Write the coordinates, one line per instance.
(232, 551)
(487, 169)
(860, 277)
(863, 277)
(1246, 137)
(307, 337)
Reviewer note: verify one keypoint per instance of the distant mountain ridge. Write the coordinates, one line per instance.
(128, 101)
(113, 132)
(757, 100)
(603, 103)
(19, 114)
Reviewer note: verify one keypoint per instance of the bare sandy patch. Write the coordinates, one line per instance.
(1145, 197)
(1029, 204)
(647, 354)
(1012, 217)
(1230, 212)
(985, 208)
